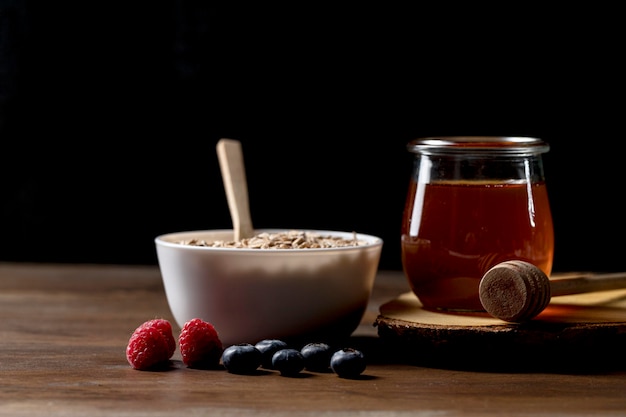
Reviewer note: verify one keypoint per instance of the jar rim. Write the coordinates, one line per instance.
(509, 145)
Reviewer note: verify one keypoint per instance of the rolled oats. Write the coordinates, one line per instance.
(292, 239)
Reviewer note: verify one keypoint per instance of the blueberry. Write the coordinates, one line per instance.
(348, 363)
(268, 347)
(288, 361)
(242, 358)
(316, 356)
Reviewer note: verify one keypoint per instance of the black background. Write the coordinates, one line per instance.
(110, 113)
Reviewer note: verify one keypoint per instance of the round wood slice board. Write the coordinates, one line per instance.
(574, 330)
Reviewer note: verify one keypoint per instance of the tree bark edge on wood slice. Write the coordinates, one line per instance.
(582, 332)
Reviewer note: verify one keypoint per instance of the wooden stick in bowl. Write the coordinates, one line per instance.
(230, 156)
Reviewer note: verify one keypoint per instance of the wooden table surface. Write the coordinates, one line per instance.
(64, 330)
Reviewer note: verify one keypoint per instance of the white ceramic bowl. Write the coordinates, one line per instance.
(255, 294)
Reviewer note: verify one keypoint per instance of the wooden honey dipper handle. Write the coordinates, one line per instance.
(517, 291)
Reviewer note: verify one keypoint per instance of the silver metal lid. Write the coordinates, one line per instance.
(499, 145)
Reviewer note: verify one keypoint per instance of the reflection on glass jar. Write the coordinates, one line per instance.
(472, 203)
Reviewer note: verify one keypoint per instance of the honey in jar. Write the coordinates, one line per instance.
(472, 203)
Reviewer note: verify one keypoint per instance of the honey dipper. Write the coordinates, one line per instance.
(517, 291)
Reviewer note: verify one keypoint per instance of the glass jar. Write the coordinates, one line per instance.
(472, 203)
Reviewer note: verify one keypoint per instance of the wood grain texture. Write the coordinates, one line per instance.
(573, 332)
(64, 329)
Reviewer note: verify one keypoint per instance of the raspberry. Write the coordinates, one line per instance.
(200, 345)
(150, 345)
(165, 328)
